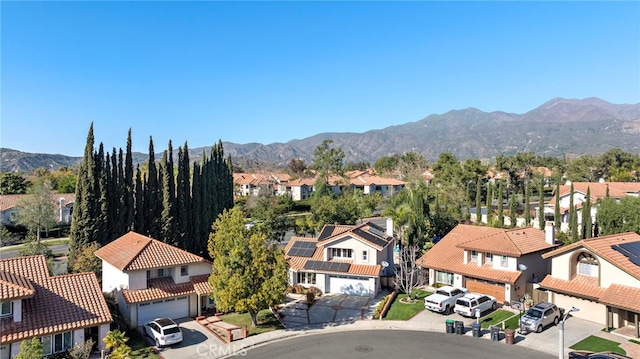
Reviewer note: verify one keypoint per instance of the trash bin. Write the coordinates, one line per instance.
(477, 330)
(509, 335)
(449, 323)
(495, 334)
(459, 327)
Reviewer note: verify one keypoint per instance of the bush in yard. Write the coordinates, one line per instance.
(378, 311)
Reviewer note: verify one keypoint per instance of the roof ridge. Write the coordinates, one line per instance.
(149, 239)
(171, 247)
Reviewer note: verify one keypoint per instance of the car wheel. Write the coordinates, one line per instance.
(448, 310)
(494, 306)
(556, 320)
(157, 343)
(539, 329)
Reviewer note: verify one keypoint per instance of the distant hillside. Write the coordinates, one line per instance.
(558, 127)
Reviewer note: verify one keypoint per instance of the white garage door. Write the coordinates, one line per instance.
(173, 308)
(350, 285)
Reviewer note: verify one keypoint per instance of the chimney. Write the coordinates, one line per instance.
(389, 227)
(549, 233)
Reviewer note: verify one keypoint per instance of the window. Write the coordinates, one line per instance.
(148, 274)
(306, 278)
(503, 261)
(587, 264)
(474, 256)
(444, 277)
(46, 345)
(489, 257)
(365, 256)
(61, 342)
(6, 309)
(341, 253)
(184, 270)
(161, 273)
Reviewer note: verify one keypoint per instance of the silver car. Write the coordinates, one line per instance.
(540, 316)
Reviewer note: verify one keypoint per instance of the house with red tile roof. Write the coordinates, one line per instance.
(495, 261)
(343, 259)
(151, 279)
(597, 191)
(302, 188)
(63, 311)
(601, 276)
(63, 203)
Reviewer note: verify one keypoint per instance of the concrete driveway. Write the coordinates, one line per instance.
(329, 309)
(197, 342)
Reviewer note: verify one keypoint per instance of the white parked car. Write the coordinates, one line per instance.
(164, 331)
(444, 299)
(472, 302)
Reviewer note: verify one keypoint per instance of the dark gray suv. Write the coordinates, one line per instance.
(540, 316)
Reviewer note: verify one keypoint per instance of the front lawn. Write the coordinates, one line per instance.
(498, 316)
(266, 321)
(402, 311)
(139, 346)
(597, 344)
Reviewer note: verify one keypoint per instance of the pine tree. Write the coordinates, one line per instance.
(478, 201)
(541, 220)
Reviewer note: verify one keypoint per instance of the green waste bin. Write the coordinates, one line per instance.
(450, 326)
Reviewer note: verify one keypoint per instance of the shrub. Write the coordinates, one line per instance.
(378, 311)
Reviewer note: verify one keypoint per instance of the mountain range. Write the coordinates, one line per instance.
(557, 128)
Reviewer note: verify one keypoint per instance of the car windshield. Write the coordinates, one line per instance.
(462, 302)
(442, 292)
(534, 313)
(171, 330)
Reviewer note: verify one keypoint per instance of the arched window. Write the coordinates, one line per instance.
(587, 264)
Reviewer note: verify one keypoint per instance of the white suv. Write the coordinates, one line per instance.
(164, 331)
(472, 302)
(444, 299)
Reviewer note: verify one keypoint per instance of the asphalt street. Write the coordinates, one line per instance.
(384, 344)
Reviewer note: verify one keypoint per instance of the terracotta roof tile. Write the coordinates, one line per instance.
(158, 288)
(599, 190)
(14, 286)
(8, 201)
(510, 242)
(581, 286)
(60, 303)
(201, 284)
(622, 296)
(134, 251)
(601, 246)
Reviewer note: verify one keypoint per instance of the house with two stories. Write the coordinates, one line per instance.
(600, 276)
(495, 261)
(10, 207)
(343, 259)
(151, 279)
(62, 311)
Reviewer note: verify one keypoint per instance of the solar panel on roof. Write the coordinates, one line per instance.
(630, 250)
(327, 266)
(302, 249)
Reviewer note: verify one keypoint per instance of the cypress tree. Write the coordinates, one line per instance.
(556, 213)
(500, 207)
(478, 201)
(183, 193)
(102, 218)
(128, 188)
(168, 202)
(153, 200)
(139, 224)
(541, 221)
(513, 210)
(573, 216)
(527, 204)
(489, 203)
(123, 226)
(586, 216)
(82, 220)
(199, 225)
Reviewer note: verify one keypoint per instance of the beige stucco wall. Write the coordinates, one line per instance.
(589, 310)
(609, 273)
(357, 246)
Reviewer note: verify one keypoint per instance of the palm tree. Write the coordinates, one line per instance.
(115, 339)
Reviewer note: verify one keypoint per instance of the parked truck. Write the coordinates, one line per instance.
(444, 299)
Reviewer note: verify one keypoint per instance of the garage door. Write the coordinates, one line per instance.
(173, 308)
(485, 287)
(350, 285)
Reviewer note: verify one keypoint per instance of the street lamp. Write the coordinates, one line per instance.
(561, 331)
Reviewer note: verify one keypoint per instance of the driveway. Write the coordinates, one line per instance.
(329, 309)
(197, 342)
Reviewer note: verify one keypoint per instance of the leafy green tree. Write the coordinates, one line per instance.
(386, 164)
(30, 349)
(37, 209)
(115, 338)
(86, 261)
(297, 167)
(249, 274)
(271, 214)
(513, 209)
(13, 183)
(618, 217)
(82, 350)
(412, 164)
(327, 161)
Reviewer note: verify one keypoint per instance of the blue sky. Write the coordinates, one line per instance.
(277, 71)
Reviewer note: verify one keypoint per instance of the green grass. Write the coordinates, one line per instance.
(634, 341)
(266, 321)
(139, 347)
(498, 316)
(598, 344)
(48, 242)
(402, 311)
